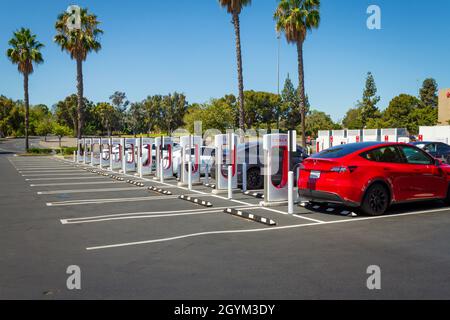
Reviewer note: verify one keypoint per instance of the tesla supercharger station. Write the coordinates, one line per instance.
(226, 155)
(188, 143)
(354, 136)
(116, 157)
(371, 135)
(323, 140)
(80, 152)
(95, 153)
(87, 150)
(277, 149)
(164, 149)
(145, 148)
(105, 152)
(128, 155)
(394, 135)
(338, 137)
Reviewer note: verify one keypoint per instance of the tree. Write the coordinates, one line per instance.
(135, 118)
(45, 127)
(119, 101)
(61, 131)
(423, 116)
(66, 112)
(290, 108)
(318, 120)
(261, 108)
(107, 115)
(295, 18)
(353, 119)
(173, 109)
(25, 51)
(234, 7)
(6, 110)
(152, 110)
(398, 113)
(368, 105)
(428, 93)
(78, 43)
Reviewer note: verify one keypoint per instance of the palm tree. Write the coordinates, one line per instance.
(234, 7)
(295, 18)
(78, 43)
(24, 51)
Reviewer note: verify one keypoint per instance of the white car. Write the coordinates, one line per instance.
(206, 158)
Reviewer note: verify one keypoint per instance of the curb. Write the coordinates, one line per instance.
(250, 216)
(258, 195)
(196, 201)
(159, 190)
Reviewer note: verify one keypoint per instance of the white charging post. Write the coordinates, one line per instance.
(164, 161)
(190, 176)
(147, 163)
(139, 157)
(244, 176)
(276, 169)
(226, 142)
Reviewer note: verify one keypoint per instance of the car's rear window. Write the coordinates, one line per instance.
(342, 150)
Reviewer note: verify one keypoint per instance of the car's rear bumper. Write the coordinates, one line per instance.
(325, 197)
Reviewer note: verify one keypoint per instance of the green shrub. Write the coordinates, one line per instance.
(67, 151)
(40, 151)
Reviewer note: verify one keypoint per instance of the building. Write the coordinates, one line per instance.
(444, 107)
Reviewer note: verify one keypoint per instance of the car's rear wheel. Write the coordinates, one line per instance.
(376, 200)
(254, 179)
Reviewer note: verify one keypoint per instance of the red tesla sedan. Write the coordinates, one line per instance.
(372, 176)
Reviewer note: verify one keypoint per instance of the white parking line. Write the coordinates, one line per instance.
(295, 226)
(112, 200)
(73, 183)
(90, 190)
(51, 171)
(155, 214)
(57, 174)
(68, 178)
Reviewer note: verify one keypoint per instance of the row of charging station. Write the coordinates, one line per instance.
(154, 156)
(331, 138)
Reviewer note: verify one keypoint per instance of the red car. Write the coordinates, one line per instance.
(372, 176)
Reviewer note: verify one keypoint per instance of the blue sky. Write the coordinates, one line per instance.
(157, 47)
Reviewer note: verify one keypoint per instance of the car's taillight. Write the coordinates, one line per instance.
(342, 169)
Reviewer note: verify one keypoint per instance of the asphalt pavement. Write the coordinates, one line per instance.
(133, 243)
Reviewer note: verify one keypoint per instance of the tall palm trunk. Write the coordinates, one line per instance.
(80, 107)
(27, 110)
(301, 89)
(239, 69)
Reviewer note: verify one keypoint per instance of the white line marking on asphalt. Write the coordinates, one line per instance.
(52, 171)
(90, 190)
(112, 200)
(69, 178)
(158, 214)
(295, 226)
(73, 183)
(57, 174)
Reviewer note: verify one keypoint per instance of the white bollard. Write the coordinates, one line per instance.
(291, 192)
(74, 156)
(161, 171)
(140, 159)
(190, 175)
(230, 182)
(179, 172)
(244, 177)
(207, 174)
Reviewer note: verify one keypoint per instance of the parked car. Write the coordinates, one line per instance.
(255, 168)
(372, 175)
(206, 158)
(438, 150)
